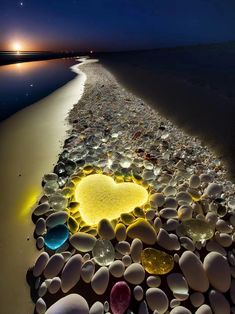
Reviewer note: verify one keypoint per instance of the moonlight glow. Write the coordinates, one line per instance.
(17, 46)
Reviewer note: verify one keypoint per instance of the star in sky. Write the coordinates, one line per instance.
(21, 4)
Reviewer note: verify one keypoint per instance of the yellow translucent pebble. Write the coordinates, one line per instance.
(101, 197)
(156, 262)
(196, 229)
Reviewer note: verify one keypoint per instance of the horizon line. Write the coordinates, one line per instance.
(125, 50)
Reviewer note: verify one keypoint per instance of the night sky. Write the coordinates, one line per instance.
(114, 24)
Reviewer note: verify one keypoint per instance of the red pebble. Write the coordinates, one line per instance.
(120, 297)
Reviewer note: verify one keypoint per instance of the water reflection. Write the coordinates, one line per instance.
(24, 83)
(30, 141)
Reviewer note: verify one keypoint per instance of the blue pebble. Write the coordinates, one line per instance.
(56, 237)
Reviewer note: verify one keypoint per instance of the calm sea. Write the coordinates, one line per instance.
(192, 86)
(22, 84)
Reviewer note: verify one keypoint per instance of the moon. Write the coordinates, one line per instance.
(16, 46)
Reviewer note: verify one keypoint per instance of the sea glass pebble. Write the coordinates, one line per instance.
(196, 229)
(103, 252)
(120, 297)
(58, 202)
(156, 262)
(56, 237)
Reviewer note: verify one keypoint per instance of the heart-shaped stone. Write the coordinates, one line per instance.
(101, 197)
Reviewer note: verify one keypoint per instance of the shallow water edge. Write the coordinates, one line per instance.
(30, 142)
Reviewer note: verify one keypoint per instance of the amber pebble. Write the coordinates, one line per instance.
(88, 169)
(128, 178)
(196, 229)
(127, 218)
(137, 179)
(71, 185)
(72, 224)
(76, 215)
(98, 170)
(84, 228)
(195, 194)
(139, 212)
(67, 192)
(76, 179)
(73, 206)
(146, 207)
(156, 262)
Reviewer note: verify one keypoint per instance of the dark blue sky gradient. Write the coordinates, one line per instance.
(114, 24)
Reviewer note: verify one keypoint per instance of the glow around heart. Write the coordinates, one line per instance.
(101, 197)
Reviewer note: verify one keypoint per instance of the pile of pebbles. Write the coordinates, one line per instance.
(175, 254)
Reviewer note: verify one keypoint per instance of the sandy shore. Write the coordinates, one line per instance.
(187, 222)
(30, 142)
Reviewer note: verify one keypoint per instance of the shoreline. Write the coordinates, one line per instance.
(30, 141)
(114, 133)
(7, 58)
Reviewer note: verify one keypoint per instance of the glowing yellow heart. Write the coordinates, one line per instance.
(101, 197)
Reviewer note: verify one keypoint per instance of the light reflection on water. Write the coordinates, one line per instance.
(30, 142)
(22, 84)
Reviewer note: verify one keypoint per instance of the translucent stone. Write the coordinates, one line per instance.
(125, 162)
(73, 156)
(194, 194)
(101, 197)
(156, 262)
(169, 191)
(70, 167)
(88, 169)
(58, 202)
(89, 159)
(165, 136)
(114, 135)
(148, 175)
(166, 156)
(120, 297)
(231, 204)
(56, 237)
(71, 184)
(127, 218)
(51, 187)
(76, 178)
(103, 252)
(148, 165)
(139, 212)
(80, 162)
(50, 177)
(67, 192)
(64, 154)
(221, 210)
(59, 169)
(72, 224)
(114, 166)
(157, 171)
(62, 181)
(137, 179)
(196, 229)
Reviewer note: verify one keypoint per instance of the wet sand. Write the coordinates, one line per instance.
(30, 142)
(199, 109)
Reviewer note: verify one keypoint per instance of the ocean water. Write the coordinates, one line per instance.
(192, 86)
(22, 84)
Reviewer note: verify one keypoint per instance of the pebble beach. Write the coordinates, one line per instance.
(136, 217)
